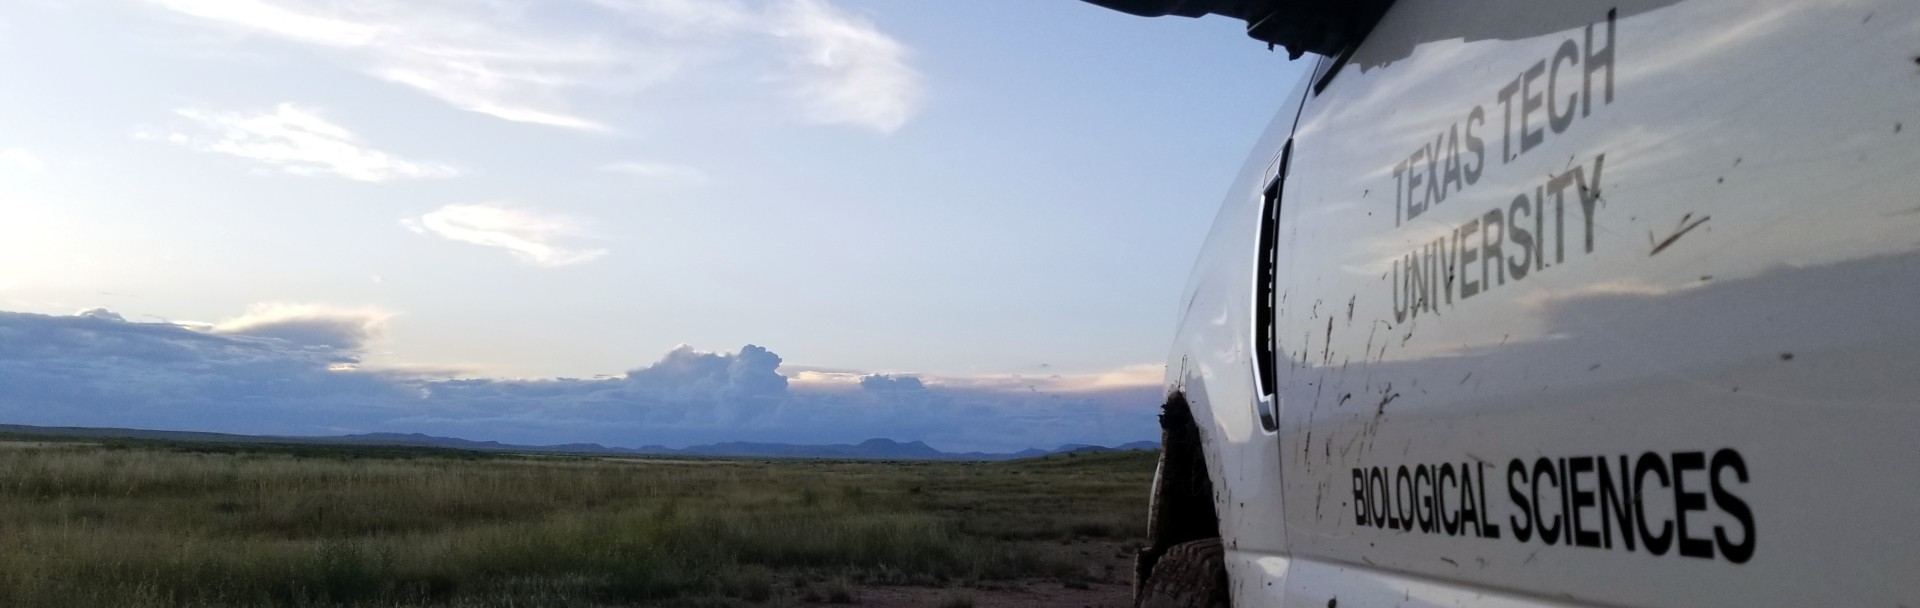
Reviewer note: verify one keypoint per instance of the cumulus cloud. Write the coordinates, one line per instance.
(99, 313)
(277, 369)
(97, 369)
(513, 62)
(738, 386)
(887, 382)
(297, 141)
(531, 236)
(690, 374)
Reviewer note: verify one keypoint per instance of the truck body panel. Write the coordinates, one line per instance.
(1577, 303)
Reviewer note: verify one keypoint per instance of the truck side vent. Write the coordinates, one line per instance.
(1266, 278)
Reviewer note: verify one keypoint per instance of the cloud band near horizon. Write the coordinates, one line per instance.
(296, 370)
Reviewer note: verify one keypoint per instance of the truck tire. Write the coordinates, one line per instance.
(1189, 575)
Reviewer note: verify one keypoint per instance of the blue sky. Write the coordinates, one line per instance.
(448, 205)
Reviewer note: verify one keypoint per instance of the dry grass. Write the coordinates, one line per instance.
(158, 524)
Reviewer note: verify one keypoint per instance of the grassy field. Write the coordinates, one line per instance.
(139, 524)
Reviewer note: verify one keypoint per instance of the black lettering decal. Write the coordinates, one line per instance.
(1560, 121)
(1597, 61)
(1539, 227)
(1468, 256)
(1382, 500)
(1506, 127)
(1650, 463)
(1582, 499)
(1450, 524)
(1420, 283)
(1433, 275)
(1475, 146)
(1493, 231)
(1728, 459)
(1522, 523)
(1414, 180)
(1448, 256)
(1469, 506)
(1388, 499)
(1531, 100)
(1425, 510)
(1544, 468)
(1557, 186)
(1435, 193)
(1452, 173)
(1684, 501)
(1566, 503)
(1521, 262)
(1590, 193)
(1441, 282)
(1616, 504)
(1489, 529)
(1400, 301)
(1360, 509)
(1399, 192)
(1402, 498)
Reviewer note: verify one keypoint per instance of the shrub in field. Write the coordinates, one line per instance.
(751, 583)
(839, 591)
(959, 598)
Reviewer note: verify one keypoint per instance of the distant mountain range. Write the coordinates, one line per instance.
(871, 449)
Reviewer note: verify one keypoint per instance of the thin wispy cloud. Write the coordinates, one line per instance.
(665, 172)
(1137, 376)
(845, 70)
(270, 18)
(683, 18)
(514, 63)
(294, 140)
(21, 159)
(455, 55)
(839, 68)
(309, 325)
(531, 236)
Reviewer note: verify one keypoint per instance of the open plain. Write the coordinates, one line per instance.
(137, 523)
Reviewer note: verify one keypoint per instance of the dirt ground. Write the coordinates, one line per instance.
(1037, 594)
(1107, 586)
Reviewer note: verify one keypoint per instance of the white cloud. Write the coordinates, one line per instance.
(1130, 377)
(846, 71)
(658, 171)
(293, 369)
(297, 141)
(307, 325)
(99, 313)
(528, 235)
(22, 159)
(479, 88)
(505, 60)
(277, 20)
(456, 55)
(684, 17)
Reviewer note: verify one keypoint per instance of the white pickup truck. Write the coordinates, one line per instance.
(1572, 303)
